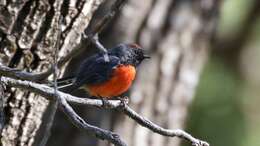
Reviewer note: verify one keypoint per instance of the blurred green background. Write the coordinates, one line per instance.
(226, 108)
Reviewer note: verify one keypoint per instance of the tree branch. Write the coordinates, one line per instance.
(157, 129)
(49, 93)
(18, 74)
(47, 132)
(2, 115)
(100, 25)
(54, 103)
(90, 129)
(62, 98)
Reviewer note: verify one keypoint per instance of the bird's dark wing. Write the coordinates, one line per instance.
(95, 70)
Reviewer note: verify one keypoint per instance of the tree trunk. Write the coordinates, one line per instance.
(28, 33)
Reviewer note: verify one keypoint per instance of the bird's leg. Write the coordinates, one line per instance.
(94, 39)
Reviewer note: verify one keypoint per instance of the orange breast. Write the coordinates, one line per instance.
(121, 80)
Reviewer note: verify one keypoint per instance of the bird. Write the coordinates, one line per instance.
(110, 78)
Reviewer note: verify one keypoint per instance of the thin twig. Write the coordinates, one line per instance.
(100, 25)
(90, 129)
(18, 74)
(95, 41)
(49, 94)
(62, 98)
(2, 113)
(47, 131)
(92, 35)
(54, 103)
(157, 129)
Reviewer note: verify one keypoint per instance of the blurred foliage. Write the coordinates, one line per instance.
(233, 16)
(250, 70)
(225, 111)
(216, 114)
(249, 57)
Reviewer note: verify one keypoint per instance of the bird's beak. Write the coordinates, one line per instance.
(146, 57)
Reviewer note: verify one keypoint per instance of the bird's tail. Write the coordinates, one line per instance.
(66, 84)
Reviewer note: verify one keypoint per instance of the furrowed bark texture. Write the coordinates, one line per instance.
(28, 35)
(177, 34)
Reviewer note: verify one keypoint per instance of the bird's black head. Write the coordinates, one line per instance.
(129, 54)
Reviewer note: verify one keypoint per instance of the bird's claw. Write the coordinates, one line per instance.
(123, 101)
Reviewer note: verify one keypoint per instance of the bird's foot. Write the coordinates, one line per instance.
(124, 100)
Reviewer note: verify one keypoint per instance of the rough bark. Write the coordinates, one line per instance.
(28, 34)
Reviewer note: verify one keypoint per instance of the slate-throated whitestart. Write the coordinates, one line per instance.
(106, 79)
